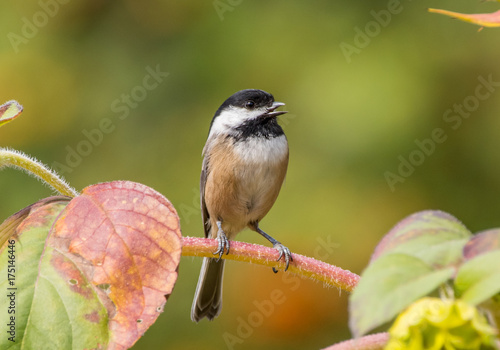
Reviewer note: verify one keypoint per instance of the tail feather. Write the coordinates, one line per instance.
(208, 297)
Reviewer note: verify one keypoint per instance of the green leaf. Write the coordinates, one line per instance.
(413, 259)
(9, 111)
(48, 310)
(9, 226)
(388, 286)
(481, 243)
(478, 279)
(435, 237)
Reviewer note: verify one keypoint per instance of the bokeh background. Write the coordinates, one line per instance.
(353, 117)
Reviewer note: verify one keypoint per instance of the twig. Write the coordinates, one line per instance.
(369, 342)
(301, 265)
(16, 159)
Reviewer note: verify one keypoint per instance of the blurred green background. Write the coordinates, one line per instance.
(353, 117)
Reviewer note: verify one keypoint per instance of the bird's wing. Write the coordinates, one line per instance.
(204, 212)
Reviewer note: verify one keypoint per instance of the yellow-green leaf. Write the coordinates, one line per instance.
(9, 111)
(479, 278)
(435, 237)
(388, 286)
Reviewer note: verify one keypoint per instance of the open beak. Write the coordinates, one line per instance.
(272, 112)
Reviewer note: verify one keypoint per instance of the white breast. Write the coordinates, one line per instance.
(262, 150)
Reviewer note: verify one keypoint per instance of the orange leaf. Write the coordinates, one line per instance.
(127, 239)
(481, 19)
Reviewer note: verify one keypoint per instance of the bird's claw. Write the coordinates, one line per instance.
(284, 253)
(222, 244)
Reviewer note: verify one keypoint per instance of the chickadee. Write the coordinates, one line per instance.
(244, 165)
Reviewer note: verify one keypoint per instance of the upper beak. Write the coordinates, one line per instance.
(271, 111)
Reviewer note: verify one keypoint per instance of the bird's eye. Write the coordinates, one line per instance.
(249, 104)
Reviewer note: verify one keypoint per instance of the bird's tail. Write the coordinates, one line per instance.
(208, 297)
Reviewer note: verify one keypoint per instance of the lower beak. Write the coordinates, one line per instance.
(271, 111)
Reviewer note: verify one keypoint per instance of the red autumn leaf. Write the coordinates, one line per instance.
(101, 264)
(126, 238)
(481, 19)
(44, 308)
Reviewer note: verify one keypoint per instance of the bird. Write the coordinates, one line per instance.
(245, 160)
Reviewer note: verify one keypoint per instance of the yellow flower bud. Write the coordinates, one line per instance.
(435, 324)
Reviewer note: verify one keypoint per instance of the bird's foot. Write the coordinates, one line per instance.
(284, 253)
(222, 244)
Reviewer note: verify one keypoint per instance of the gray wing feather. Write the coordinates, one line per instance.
(204, 212)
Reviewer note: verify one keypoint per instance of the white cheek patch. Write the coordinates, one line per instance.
(231, 118)
(262, 150)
